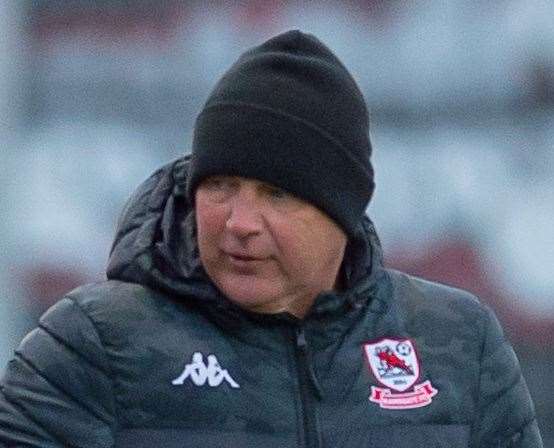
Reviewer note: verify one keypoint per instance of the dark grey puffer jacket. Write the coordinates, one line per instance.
(156, 356)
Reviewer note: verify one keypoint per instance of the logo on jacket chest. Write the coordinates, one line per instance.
(395, 365)
(201, 373)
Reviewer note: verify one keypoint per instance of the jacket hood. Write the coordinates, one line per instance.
(155, 243)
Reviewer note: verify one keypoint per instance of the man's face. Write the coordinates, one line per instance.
(265, 249)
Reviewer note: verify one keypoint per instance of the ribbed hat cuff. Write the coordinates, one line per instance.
(286, 151)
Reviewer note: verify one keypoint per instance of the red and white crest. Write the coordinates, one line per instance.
(393, 362)
(395, 365)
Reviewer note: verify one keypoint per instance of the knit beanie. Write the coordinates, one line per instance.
(290, 114)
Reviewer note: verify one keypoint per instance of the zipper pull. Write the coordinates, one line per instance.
(302, 345)
(301, 339)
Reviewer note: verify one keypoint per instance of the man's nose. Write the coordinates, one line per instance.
(245, 217)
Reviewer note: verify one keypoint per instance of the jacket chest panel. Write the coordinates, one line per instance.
(195, 377)
(442, 390)
(351, 418)
(206, 382)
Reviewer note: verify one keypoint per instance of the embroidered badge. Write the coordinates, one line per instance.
(395, 365)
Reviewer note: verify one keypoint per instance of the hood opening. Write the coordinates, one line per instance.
(155, 243)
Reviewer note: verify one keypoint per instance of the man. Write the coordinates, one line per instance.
(247, 306)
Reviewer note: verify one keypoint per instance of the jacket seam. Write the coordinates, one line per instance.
(483, 339)
(109, 372)
(136, 256)
(522, 427)
(28, 416)
(507, 389)
(60, 341)
(31, 365)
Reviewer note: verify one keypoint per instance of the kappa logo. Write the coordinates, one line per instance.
(395, 364)
(201, 373)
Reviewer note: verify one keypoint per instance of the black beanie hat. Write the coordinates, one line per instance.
(290, 114)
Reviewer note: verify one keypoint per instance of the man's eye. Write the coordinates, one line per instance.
(277, 193)
(215, 183)
(218, 189)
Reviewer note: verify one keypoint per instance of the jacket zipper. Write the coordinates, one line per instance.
(308, 389)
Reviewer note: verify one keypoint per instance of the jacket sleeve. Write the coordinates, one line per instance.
(56, 391)
(506, 417)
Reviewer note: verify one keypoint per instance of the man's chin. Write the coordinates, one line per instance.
(253, 299)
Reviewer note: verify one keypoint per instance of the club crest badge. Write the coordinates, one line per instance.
(395, 365)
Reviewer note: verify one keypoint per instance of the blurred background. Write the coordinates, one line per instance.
(94, 95)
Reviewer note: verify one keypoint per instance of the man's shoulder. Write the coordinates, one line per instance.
(431, 291)
(107, 292)
(442, 321)
(418, 299)
(117, 314)
(113, 303)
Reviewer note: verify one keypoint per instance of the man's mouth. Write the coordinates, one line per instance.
(242, 257)
(243, 262)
